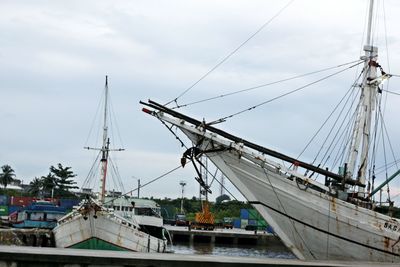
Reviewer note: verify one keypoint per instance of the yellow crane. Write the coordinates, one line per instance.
(204, 220)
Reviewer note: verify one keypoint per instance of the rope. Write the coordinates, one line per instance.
(152, 181)
(284, 211)
(391, 92)
(231, 54)
(280, 96)
(92, 172)
(337, 132)
(263, 85)
(326, 121)
(387, 135)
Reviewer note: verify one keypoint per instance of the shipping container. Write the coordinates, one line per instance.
(244, 223)
(270, 230)
(3, 200)
(12, 209)
(236, 223)
(254, 215)
(252, 222)
(3, 210)
(244, 214)
(20, 201)
(68, 203)
(262, 223)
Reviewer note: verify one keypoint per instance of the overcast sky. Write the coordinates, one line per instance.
(55, 54)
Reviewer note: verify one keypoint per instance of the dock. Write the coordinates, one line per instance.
(223, 236)
(27, 237)
(60, 257)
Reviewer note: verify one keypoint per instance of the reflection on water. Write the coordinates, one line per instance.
(259, 251)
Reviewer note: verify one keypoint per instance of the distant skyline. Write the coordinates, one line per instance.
(55, 55)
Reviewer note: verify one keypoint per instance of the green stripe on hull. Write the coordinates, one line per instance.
(95, 243)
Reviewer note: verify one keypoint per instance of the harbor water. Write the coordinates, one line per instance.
(237, 250)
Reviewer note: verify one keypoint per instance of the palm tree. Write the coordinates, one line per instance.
(63, 176)
(35, 187)
(49, 183)
(7, 176)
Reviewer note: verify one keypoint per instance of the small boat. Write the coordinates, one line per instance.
(96, 225)
(39, 214)
(319, 214)
(145, 212)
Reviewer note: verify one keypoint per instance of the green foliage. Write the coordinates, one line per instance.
(191, 206)
(48, 184)
(229, 209)
(7, 175)
(35, 187)
(221, 198)
(58, 182)
(63, 180)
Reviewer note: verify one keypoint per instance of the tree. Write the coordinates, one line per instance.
(36, 186)
(49, 183)
(7, 176)
(64, 179)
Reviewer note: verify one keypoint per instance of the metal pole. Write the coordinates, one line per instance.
(385, 183)
(138, 189)
(371, 9)
(182, 183)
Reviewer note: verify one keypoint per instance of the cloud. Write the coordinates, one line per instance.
(55, 55)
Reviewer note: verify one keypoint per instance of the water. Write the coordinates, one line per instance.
(258, 251)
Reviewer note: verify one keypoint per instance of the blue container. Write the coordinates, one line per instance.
(69, 203)
(236, 223)
(270, 230)
(3, 200)
(244, 214)
(252, 222)
(12, 209)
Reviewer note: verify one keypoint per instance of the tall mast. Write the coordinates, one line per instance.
(105, 147)
(362, 127)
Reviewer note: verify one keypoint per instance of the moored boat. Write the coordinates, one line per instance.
(94, 225)
(38, 214)
(333, 219)
(145, 212)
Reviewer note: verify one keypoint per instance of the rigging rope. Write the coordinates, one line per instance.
(285, 94)
(327, 119)
(232, 53)
(99, 105)
(387, 136)
(391, 92)
(351, 120)
(92, 172)
(389, 165)
(284, 210)
(152, 181)
(263, 85)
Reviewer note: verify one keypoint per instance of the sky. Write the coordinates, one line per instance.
(55, 54)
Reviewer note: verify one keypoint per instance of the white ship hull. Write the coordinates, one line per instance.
(107, 231)
(313, 224)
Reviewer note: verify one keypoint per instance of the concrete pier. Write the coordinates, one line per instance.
(26, 237)
(46, 257)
